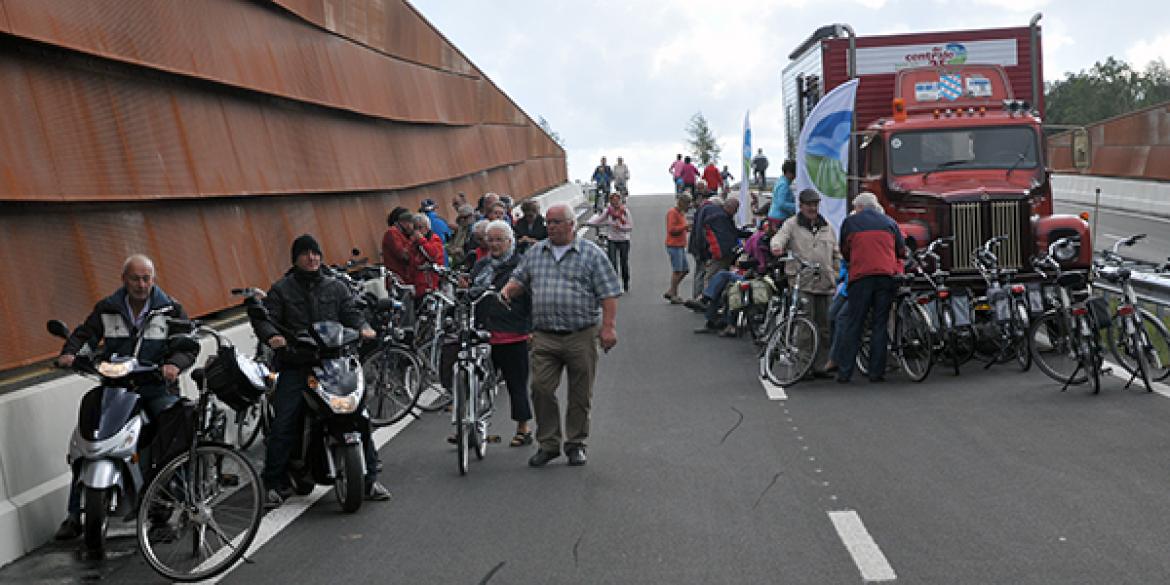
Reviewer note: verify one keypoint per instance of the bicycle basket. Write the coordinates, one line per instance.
(235, 380)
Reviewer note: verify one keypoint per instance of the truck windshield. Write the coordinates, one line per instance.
(963, 148)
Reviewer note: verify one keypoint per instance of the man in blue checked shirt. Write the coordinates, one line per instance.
(574, 292)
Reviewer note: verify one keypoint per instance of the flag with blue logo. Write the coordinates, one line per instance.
(822, 153)
(743, 217)
(950, 86)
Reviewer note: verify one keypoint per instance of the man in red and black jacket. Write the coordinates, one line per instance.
(872, 244)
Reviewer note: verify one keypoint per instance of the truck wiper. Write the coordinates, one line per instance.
(1019, 160)
(949, 163)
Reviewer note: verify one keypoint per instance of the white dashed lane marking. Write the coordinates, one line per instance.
(861, 546)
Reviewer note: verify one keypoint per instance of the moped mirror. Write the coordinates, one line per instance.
(257, 312)
(184, 343)
(57, 328)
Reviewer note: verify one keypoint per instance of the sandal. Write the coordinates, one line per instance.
(521, 439)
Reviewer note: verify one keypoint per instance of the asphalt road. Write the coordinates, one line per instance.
(696, 476)
(1113, 225)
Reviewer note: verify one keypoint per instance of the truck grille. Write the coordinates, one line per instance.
(976, 222)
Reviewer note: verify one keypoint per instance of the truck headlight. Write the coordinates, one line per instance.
(1065, 253)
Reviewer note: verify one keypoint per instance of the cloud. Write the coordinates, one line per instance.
(1141, 53)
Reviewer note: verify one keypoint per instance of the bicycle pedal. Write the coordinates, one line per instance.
(1107, 371)
(229, 479)
(493, 439)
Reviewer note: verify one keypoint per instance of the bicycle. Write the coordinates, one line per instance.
(1133, 331)
(257, 418)
(432, 326)
(1002, 316)
(201, 511)
(949, 313)
(475, 380)
(792, 345)
(392, 370)
(910, 341)
(1064, 341)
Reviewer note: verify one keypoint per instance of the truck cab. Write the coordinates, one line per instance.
(959, 155)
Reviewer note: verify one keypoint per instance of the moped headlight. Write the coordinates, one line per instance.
(343, 404)
(115, 370)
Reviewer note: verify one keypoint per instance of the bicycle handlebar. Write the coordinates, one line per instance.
(1127, 242)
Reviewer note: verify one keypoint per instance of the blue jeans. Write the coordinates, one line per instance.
(714, 292)
(838, 321)
(285, 432)
(870, 292)
(154, 400)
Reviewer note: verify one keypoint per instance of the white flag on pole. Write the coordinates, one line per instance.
(743, 217)
(822, 154)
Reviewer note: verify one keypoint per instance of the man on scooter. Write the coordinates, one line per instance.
(121, 321)
(304, 296)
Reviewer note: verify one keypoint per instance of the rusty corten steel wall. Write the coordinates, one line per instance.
(1133, 146)
(209, 134)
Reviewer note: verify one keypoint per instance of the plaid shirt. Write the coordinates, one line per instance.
(567, 294)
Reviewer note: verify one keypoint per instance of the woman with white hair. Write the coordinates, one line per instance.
(510, 325)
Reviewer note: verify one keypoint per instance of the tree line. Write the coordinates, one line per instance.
(1108, 89)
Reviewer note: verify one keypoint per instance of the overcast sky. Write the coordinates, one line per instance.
(623, 77)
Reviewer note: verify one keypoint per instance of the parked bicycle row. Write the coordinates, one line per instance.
(934, 317)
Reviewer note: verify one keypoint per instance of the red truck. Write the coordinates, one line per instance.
(948, 134)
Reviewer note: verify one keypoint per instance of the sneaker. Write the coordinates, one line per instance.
(376, 492)
(577, 456)
(274, 497)
(70, 528)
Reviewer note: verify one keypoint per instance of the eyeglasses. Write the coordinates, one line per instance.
(555, 221)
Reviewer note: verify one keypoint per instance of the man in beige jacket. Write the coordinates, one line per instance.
(809, 237)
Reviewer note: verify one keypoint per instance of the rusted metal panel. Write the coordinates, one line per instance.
(105, 156)
(390, 26)
(1135, 145)
(250, 46)
(96, 137)
(62, 258)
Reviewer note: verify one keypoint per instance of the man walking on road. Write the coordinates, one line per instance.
(574, 292)
(872, 244)
(760, 168)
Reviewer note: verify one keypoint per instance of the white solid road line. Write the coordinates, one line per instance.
(865, 552)
(280, 518)
(1118, 371)
(774, 392)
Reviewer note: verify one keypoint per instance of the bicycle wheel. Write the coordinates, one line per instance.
(790, 351)
(1156, 344)
(247, 426)
(197, 518)
(1053, 347)
(1138, 342)
(432, 395)
(462, 429)
(393, 376)
(1091, 354)
(1020, 323)
(914, 342)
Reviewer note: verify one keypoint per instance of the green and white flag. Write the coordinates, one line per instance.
(822, 154)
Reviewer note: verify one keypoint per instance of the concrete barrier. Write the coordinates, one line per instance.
(1145, 197)
(36, 422)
